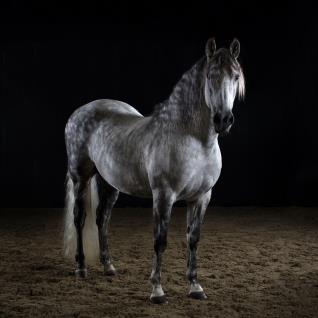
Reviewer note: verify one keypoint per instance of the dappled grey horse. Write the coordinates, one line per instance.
(171, 155)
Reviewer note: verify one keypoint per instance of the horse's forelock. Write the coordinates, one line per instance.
(241, 84)
(223, 59)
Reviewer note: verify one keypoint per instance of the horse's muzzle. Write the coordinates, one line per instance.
(223, 121)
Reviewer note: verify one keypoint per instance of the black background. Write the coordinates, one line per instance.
(55, 58)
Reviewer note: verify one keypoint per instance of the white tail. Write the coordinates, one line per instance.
(90, 232)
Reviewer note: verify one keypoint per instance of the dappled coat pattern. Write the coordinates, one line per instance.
(171, 155)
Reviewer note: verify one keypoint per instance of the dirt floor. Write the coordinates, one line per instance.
(253, 262)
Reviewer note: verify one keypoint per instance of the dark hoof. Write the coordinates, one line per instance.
(109, 270)
(81, 272)
(198, 295)
(159, 299)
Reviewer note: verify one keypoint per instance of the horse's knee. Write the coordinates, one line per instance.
(193, 235)
(193, 242)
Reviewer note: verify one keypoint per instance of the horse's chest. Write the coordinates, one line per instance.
(201, 172)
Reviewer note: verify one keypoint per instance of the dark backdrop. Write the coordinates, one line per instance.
(56, 58)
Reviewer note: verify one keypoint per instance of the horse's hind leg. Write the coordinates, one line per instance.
(80, 188)
(107, 197)
(195, 214)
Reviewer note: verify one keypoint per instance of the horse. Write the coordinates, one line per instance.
(169, 156)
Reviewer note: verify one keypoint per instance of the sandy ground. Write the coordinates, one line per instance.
(253, 262)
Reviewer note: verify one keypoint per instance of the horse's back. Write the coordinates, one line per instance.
(102, 108)
(85, 120)
(110, 106)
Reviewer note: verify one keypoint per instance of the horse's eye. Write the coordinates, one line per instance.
(236, 77)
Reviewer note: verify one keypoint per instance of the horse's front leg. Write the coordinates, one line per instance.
(195, 215)
(162, 204)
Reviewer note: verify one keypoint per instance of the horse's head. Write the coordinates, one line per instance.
(224, 80)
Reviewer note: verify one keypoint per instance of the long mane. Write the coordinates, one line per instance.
(189, 88)
(241, 84)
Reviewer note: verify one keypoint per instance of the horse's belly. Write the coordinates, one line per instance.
(127, 178)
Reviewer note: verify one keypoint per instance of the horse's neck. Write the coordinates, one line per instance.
(186, 108)
(187, 93)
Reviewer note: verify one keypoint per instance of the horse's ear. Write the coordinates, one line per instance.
(210, 48)
(235, 48)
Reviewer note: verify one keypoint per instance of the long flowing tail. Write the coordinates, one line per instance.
(90, 233)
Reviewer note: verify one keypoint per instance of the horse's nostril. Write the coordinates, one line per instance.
(217, 118)
(228, 120)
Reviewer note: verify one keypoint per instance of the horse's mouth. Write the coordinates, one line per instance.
(223, 132)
